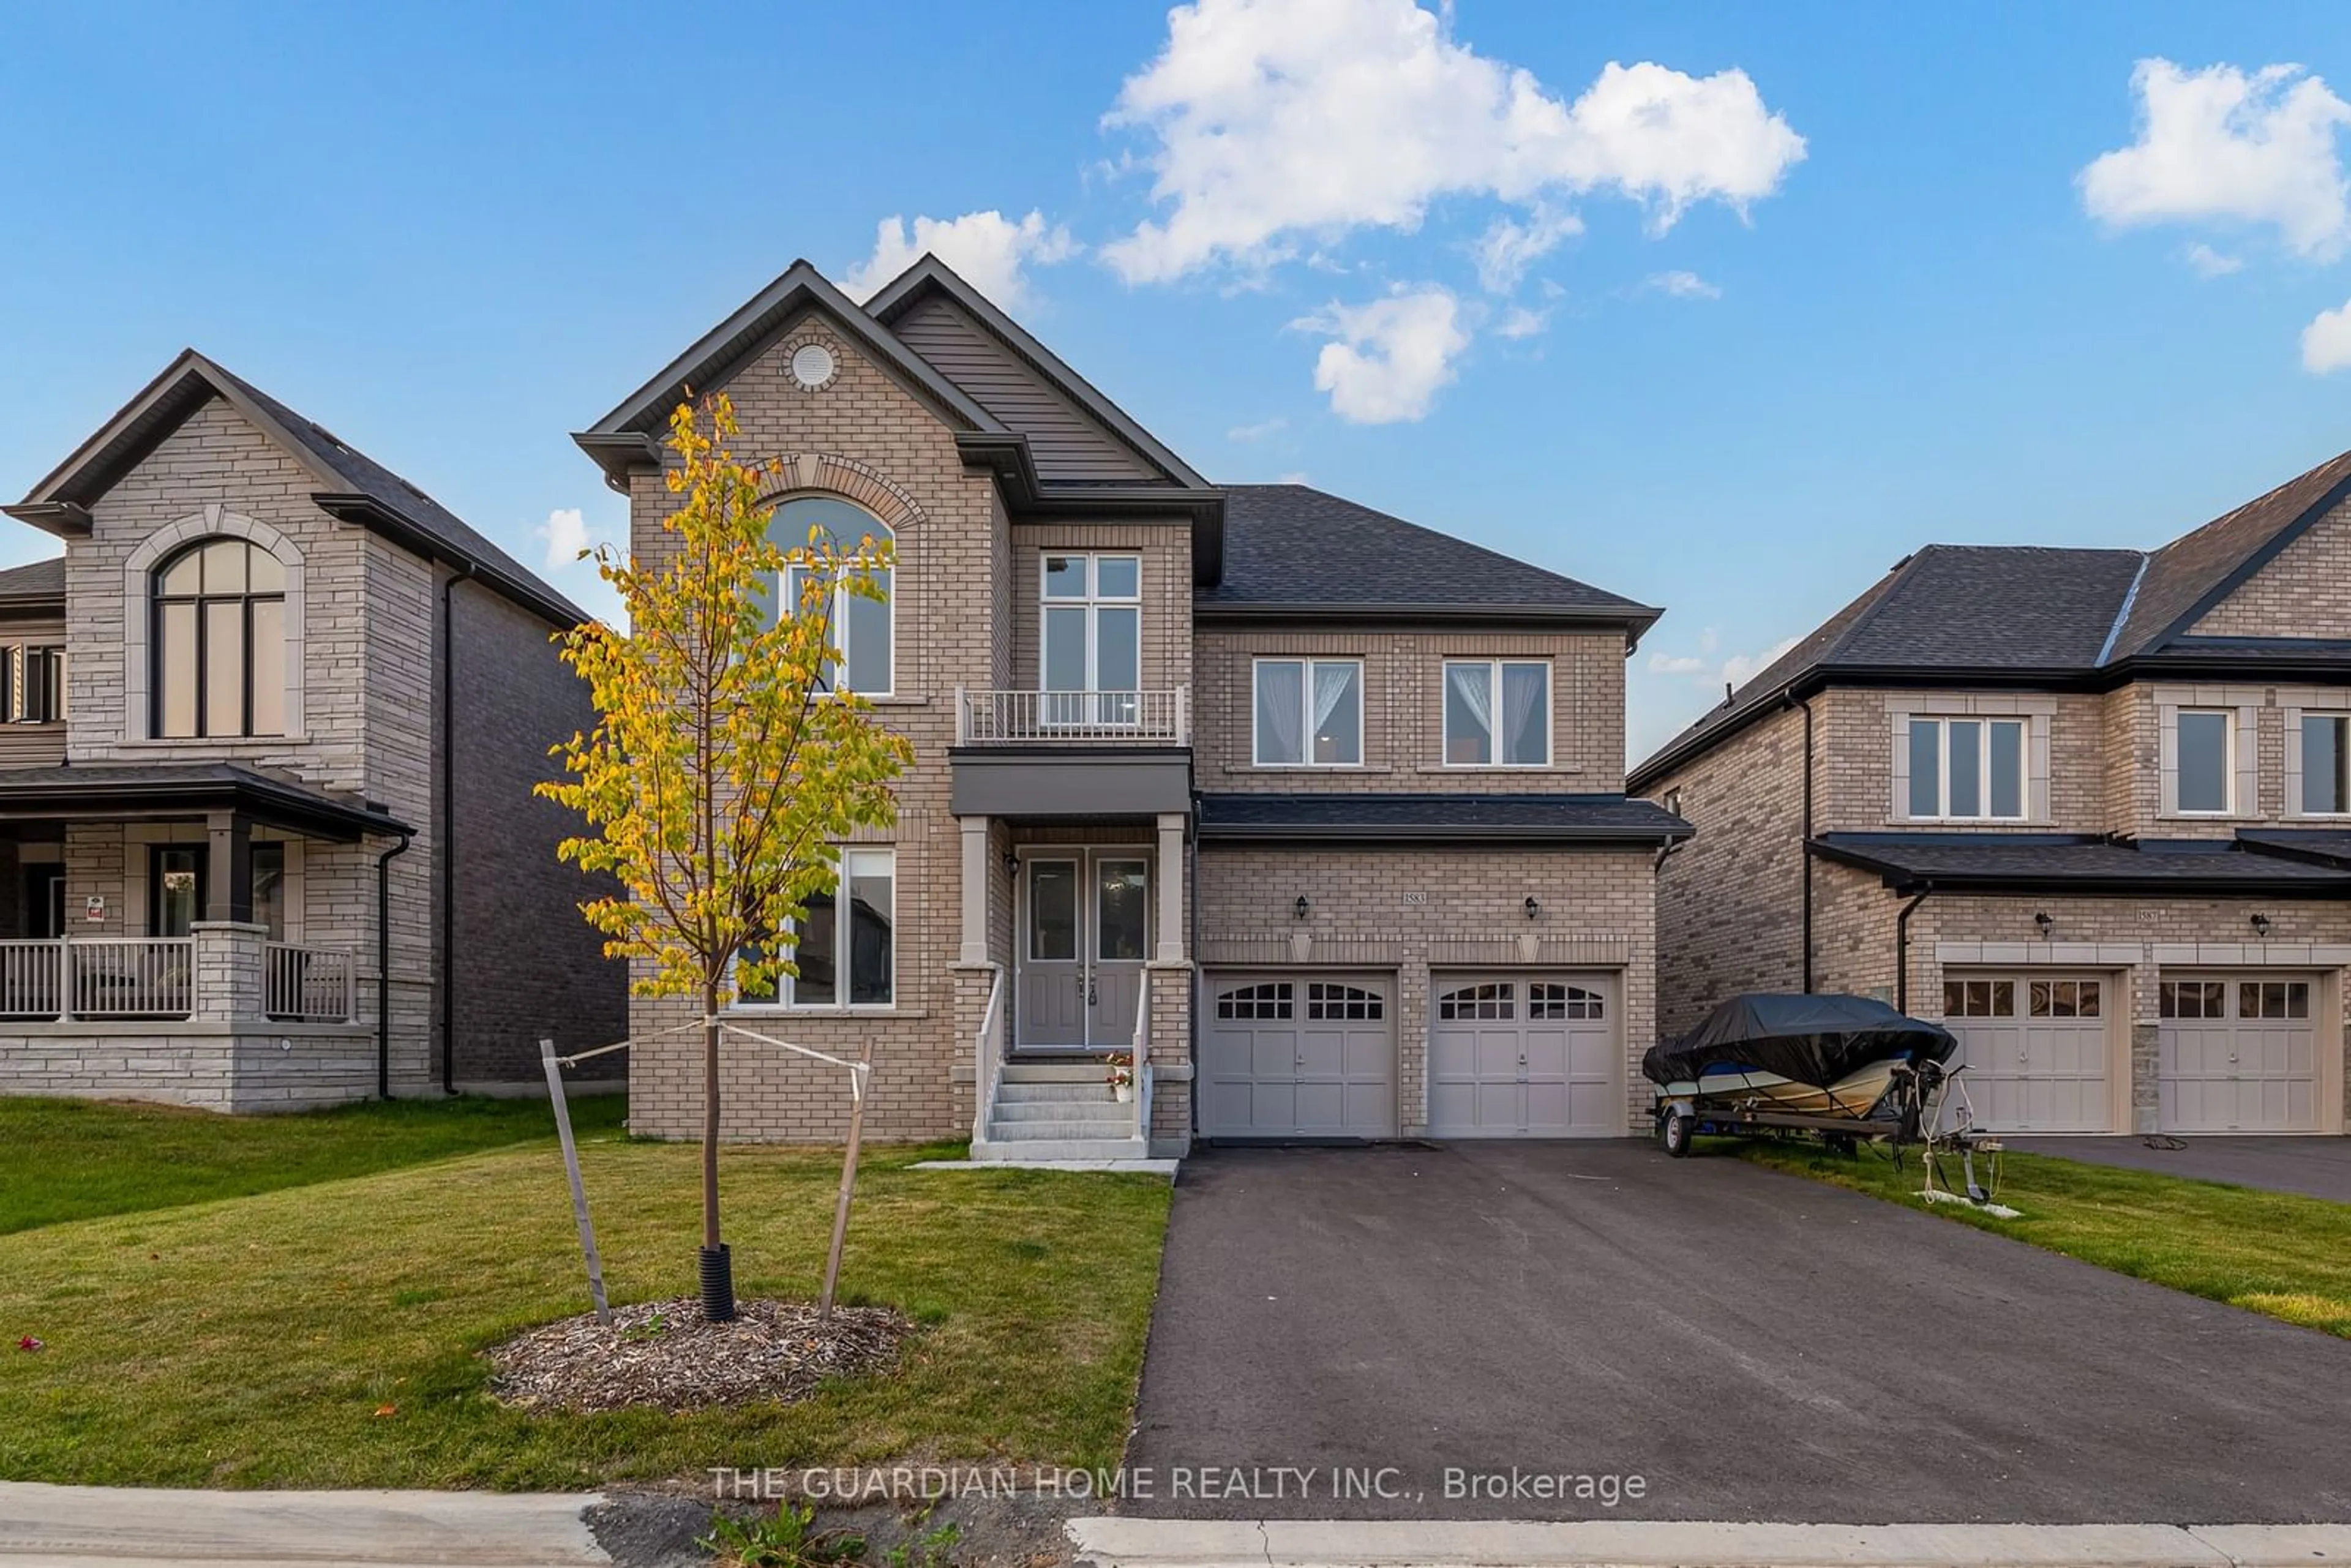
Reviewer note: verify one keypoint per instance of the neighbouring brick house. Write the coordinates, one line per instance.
(2090, 807)
(1322, 811)
(266, 838)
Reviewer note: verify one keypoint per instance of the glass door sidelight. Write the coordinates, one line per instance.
(1085, 934)
(175, 889)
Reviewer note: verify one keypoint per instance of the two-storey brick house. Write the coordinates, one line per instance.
(266, 838)
(1320, 812)
(2088, 807)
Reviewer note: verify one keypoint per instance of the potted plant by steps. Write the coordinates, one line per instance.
(1121, 1078)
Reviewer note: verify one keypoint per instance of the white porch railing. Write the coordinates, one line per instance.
(32, 979)
(129, 977)
(1048, 718)
(308, 985)
(1140, 1060)
(988, 1059)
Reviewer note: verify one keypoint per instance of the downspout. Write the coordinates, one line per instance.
(383, 967)
(1804, 845)
(448, 832)
(1199, 989)
(1902, 949)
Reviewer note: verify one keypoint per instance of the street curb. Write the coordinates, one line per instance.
(1128, 1542)
(129, 1526)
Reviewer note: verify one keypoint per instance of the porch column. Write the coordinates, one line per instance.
(975, 890)
(1171, 888)
(229, 871)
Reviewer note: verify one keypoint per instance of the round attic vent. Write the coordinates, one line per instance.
(813, 365)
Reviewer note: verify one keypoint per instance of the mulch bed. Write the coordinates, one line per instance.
(665, 1355)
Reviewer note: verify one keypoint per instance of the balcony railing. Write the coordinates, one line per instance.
(308, 985)
(1048, 718)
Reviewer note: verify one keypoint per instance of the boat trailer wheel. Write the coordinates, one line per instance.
(1678, 1128)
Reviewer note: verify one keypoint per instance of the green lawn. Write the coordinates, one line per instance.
(78, 1159)
(251, 1341)
(2278, 1253)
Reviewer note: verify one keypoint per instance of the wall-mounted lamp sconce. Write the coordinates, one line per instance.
(2260, 926)
(1011, 863)
(2043, 921)
(1301, 907)
(1531, 907)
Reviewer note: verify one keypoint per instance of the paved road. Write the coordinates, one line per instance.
(2318, 1166)
(1752, 1344)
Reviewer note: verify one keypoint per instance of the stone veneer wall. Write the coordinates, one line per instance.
(1598, 912)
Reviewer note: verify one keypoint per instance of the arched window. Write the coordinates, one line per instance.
(862, 628)
(219, 641)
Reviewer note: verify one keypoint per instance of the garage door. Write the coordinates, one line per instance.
(2035, 1047)
(1307, 1056)
(2236, 1054)
(1524, 1057)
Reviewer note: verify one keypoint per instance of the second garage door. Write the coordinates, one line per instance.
(2236, 1054)
(2035, 1047)
(1530, 1056)
(1298, 1056)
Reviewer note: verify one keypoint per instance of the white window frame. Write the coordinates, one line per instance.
(1942, 723)
(1494, 668)
(789, 598)
(785, 1000)
(1307, 665)
(2300, 781)
(1093, 602)
(2227, 718)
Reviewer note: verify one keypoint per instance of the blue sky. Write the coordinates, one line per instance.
(1740, 378)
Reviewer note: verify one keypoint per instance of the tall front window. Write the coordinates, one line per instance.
(219, 642)
(1310, 713)
(862, 628)
(1090, 639)
(2203, 761)
(1497, 714)
(2325, 764)
(847, 954)
(1966, 770)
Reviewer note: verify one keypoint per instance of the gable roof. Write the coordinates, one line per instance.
(1079, 434)
(1294, 553)
(2021, 612)
(353, 487)
(34, 584)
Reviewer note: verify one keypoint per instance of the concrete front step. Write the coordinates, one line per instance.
(1017, 1092)
(1003, 1131)
(1026, 1150)
(1102, 1110)
(1080, 1069)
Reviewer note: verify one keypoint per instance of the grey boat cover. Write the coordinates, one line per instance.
(1813, 1039)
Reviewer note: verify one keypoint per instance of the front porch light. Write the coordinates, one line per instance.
(1302, 906)
(1531, 907)
(2260, 926)
(2043, 921)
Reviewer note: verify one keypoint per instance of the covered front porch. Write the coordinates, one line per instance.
(198, 933)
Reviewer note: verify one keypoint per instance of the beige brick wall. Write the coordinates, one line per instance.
(1598, 912)
(2305, 592)
(1404, 712)
(1167, 552)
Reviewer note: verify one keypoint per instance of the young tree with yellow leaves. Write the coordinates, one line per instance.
(723, 771)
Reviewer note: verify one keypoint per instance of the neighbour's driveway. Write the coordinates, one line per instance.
(1752, 1344)
(2320, 1167)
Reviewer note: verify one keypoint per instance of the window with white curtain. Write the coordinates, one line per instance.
(1497, 713)
(1310, 713)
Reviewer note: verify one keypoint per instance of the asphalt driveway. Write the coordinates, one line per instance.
(1752, 1345)
(2319, 1167)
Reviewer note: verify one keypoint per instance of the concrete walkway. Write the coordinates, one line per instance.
(2315, 1167)
(1626, 1543)
(51, 1527)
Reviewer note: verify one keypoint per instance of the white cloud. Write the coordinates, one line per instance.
(988, 250)
(1508, 247)
(2206, 262)
(1682, 286)
(1391, 356)
(566, 533)
(1735, 669)
(1741, 668)
(2227, 145)
(1520, 321)
(2326, 341)
(1259, 431)
(1269, 123)
(1678, 665)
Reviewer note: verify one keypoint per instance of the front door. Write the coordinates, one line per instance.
(1085, 918)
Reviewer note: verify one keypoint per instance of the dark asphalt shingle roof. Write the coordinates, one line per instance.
(66, 787)
(1289, 545)
(2185, 572)
(1563, 818)
(2320, 846)
(35, 581)
(2054, 860)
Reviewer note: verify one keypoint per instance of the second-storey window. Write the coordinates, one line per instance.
(1310, 713)
(2204, 760)
(33, 683)
(863, 629)
(1497, 714)
(1966, 770)
(218, 641)
(1090, 639)
(2325, 764)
